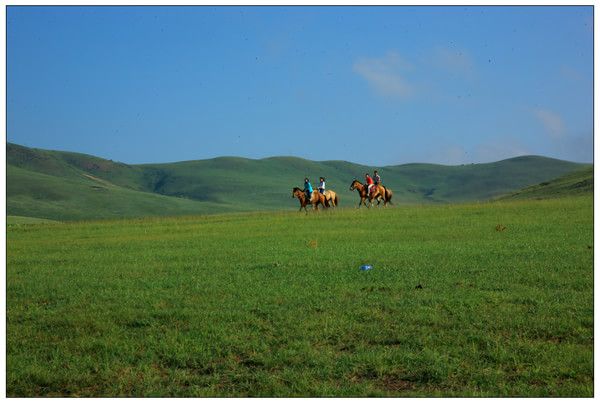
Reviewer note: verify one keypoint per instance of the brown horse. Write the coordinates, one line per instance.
(331, 197)
(315, 199)
(379, 193)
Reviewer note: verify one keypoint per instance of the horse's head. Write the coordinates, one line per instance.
(353, 184)
(296, 192)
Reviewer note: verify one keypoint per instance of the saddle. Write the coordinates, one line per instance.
(376, 187)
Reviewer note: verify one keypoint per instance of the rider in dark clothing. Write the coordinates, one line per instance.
(307, 188)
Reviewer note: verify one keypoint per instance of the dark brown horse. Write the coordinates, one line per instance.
(315, 199)
(378, 193)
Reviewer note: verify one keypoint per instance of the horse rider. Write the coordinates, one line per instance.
(307, 189)
(369, 181)
(376, 178)
(321, 185)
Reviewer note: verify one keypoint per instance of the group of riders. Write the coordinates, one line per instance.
(371, 183)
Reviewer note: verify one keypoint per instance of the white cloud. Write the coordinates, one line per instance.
(571, 73)
(385, 74)
(562, 142)
(454, 60)
(551, 121)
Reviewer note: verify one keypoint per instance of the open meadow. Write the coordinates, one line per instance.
(482, 299)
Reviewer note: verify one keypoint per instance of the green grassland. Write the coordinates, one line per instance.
(19, 220)
(70, 186)
(479, 299)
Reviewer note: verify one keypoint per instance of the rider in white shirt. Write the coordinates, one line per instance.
(321, 185)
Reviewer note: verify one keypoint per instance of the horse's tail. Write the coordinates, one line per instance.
(388, 194)
(336, 200)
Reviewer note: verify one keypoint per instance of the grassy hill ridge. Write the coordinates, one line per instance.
(574, 183)
(34, 194)
(66, 185)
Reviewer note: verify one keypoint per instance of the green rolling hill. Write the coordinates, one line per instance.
(575, 183)
(70, 186)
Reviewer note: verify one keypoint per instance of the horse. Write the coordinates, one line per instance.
(331, 197)
(380, 192)
(315, 199)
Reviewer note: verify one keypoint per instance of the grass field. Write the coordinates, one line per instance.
(19, 220)
(490, 299)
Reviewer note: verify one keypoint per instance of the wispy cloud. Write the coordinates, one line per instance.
(451, 155)
(386, 74)
(488, 151)
(578, 148)
(499, 149)
(572, 74)
(552, 122)
(453, 60)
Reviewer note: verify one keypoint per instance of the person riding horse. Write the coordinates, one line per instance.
(307, 189)
(369, 181)
(321, 185)
(376, 178)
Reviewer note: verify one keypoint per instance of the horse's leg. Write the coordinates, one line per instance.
(304, 204)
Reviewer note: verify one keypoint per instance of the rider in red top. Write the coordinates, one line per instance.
(369, 183)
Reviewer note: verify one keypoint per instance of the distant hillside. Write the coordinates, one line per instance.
(576, 183)
(65, 186)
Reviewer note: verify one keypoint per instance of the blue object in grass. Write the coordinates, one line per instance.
(365, 267)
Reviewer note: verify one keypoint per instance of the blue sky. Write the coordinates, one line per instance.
(373, 85)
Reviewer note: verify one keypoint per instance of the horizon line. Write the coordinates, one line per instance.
(300, 158)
